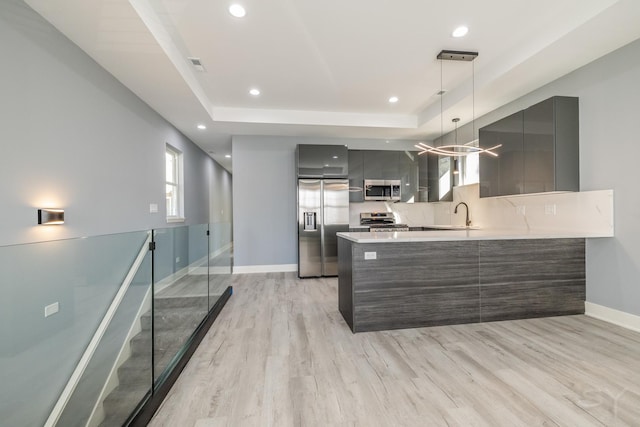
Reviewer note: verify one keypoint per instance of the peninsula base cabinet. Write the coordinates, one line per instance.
(418, 284)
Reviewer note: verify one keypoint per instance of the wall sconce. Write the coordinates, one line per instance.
(50, 216)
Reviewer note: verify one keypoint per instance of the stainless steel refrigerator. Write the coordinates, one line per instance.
(323, 210)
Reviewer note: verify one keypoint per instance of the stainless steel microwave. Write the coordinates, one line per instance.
(382, 189)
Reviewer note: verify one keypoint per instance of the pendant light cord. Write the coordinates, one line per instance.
(441, 106)
(473, 101)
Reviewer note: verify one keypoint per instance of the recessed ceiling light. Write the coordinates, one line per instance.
(228, 156)
(202, 127)
(393, 99)
(254, 92)
(237, 10)
(335, 157)
(461, 31)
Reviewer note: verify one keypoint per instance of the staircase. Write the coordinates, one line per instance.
(176, 317)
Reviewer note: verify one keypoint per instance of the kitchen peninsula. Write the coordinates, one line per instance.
(416, 279)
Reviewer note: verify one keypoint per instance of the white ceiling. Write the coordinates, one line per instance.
(328, 68)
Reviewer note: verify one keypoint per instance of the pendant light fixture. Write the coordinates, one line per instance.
(456, 150)
(455, 160)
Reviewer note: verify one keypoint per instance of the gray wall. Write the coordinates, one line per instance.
(609, 91)
(221, 209)
(264, 195)
(264, 201)
(74, 137)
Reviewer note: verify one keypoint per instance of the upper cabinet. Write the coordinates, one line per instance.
(539, 152)
(322, 161)
(380, 164)
(356, 176)
(503, 174)
(552, 146)
(407, 167)
(408, 172)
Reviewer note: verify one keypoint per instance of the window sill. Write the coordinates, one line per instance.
(175, 219)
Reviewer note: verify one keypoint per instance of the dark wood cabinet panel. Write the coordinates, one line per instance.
(416, 284)
(521, 279)
(531, 299)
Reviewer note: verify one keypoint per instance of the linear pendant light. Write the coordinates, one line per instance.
(456, 150)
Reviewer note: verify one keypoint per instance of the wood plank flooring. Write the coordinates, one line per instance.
(280, 354)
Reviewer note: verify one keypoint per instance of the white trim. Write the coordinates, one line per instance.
(203, 271)
(174, 219)
(225, 269)
(71, 385)
(177, 183)
(198, 271)
(306, 117)
(241, 269)
(617, 317)
(221, 250)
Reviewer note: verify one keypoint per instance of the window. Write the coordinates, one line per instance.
(174, 184)
(470, 173)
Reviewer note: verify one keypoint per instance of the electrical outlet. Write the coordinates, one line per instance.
(550, 209)
(153, 208)
(177, 259)
(370, 255)
(521, 210)
(51, 309)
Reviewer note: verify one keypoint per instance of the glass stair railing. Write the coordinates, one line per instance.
(127, 317)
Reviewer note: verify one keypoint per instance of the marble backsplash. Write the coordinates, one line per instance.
(590, 211)
(413, 214)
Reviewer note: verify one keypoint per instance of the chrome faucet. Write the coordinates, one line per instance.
(455, 211)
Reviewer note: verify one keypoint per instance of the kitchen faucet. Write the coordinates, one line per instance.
(455, 211)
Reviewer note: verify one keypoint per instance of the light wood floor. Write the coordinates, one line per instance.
(280, 354)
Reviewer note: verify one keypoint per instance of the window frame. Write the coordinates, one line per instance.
(178, 172)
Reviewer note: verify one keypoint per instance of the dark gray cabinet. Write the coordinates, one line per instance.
(380, 164)
(356, 176)
(408, 167)
(539, 151)
(423, 178)
(322, 161)
(408, 171)
(503, 174)
(551, 146)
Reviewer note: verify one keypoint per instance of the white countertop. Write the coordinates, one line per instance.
(466, 234)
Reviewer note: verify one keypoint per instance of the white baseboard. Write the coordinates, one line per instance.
(198, 271)
(617, 317)
(222, 250)
(278, 268)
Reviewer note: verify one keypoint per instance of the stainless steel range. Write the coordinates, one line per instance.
(381, 221)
